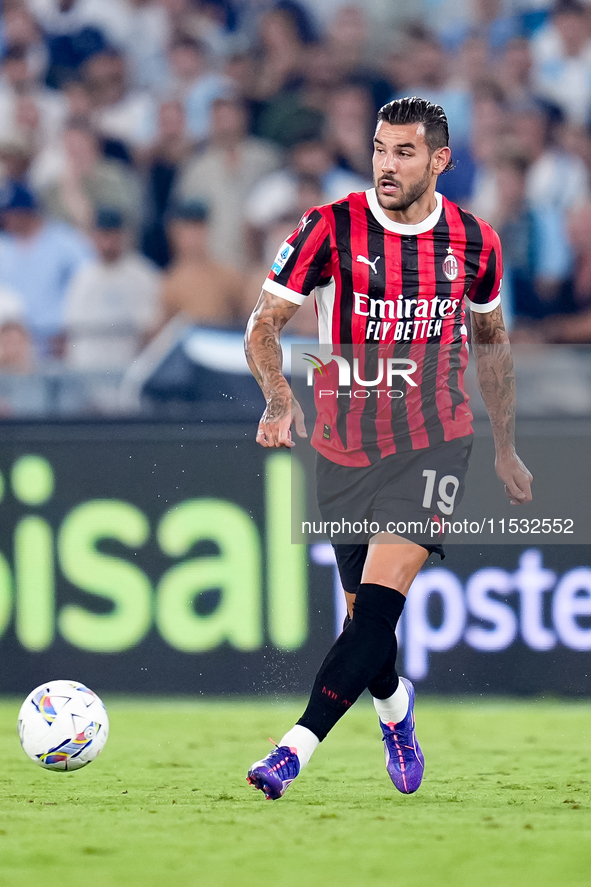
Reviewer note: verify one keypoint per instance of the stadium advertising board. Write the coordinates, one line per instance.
(157, 558)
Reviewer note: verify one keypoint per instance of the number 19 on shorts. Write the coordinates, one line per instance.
(446, 490)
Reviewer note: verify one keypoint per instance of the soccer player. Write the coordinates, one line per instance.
(393, 265)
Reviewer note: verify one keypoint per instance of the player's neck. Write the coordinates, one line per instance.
(417, 212)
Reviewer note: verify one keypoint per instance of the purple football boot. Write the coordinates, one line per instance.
(275, 773)
(404, 759)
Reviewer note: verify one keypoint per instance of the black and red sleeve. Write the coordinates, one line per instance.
(485, 292)
(303, 261)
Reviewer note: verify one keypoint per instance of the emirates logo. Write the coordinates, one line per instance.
(451, 268)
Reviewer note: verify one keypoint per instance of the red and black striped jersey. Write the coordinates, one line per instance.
(390, 291)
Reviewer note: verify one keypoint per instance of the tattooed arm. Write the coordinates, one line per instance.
(264, 356)
(496, 379)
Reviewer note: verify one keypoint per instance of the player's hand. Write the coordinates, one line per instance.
(516, 477)
(275, 426)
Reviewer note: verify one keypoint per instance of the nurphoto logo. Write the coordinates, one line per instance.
(350, 374)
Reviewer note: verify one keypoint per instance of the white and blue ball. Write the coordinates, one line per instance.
(62, 725)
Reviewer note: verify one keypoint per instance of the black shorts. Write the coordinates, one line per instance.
(406, 494)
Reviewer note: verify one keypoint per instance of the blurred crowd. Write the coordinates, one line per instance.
(155, 153)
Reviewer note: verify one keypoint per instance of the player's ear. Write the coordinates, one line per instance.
(441, 157)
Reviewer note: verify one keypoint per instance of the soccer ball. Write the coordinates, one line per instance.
(63, 725)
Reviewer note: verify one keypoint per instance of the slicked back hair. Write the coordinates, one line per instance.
(416, 110)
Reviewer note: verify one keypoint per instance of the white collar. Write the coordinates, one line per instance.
(397, 227)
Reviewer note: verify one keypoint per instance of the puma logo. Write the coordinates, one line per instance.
(372, 265)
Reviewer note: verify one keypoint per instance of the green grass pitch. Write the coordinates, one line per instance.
(506, 801)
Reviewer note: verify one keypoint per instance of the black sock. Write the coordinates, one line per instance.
(358, 656)
(386, 682)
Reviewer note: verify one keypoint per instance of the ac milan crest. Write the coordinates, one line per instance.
(450, 265)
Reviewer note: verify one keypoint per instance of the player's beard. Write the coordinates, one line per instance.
(404, 199)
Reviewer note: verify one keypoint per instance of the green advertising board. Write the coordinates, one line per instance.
(127, 543)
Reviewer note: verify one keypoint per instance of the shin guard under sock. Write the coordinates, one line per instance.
(358, 655)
